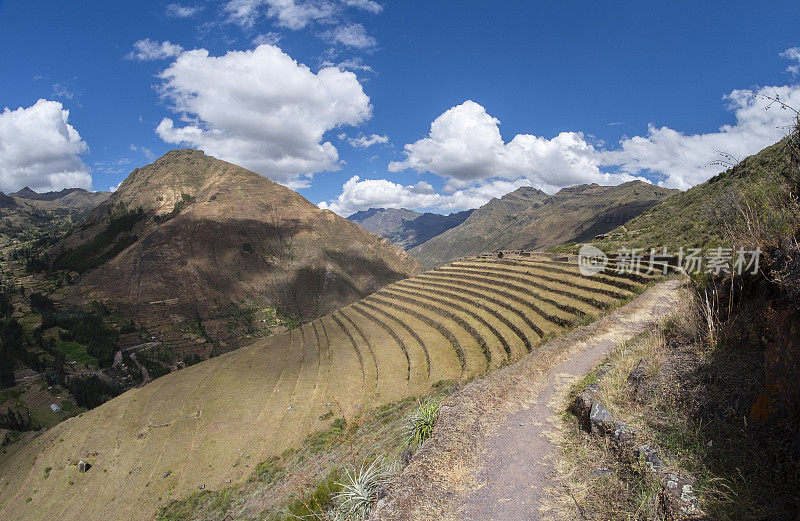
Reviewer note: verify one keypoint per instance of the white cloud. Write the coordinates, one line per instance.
(365, 141)
(291, 14)
(381, 193)
(350, 35)
(793, 54)
(149, 50)
(270, 38)
(464, 145)
(367, 5)
(350, 64)
(261, 109)
(146, 152)
(183, 11)
(679, 160)
(40, 149)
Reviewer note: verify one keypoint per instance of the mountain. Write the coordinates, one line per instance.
(26, 211)
(407, 228)
(194, 242)
(528, 218)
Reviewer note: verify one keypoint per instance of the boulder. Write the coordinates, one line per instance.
(649, 457)
(580, 408)
(637, 380)
(677, 500)
(600, 420)
(623, 433)
(83, 466)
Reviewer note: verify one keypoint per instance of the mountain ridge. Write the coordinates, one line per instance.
(407, 228)
(530, 219)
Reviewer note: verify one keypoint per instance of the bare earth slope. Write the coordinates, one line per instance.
(213, 237)
(529, 219)
(490, 455)
(214, 421)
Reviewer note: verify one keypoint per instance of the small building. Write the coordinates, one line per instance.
(55, 407)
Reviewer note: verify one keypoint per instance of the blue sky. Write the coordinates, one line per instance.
(546, 94)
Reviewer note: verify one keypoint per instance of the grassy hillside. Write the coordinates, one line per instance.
(530, 219)
(699, 216)
(212, 422)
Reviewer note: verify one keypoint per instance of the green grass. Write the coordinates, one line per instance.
(76, 352)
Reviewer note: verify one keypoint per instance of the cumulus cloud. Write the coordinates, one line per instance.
(150, 50)
(365, 141)
(183, 11)
(679, 160)
(261, 109)
(40, 149)
(464, 145)
(794, 55)
(350, 35)
(358, 194)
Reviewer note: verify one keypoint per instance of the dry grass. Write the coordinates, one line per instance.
(738, 469)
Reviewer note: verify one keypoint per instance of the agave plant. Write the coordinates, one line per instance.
(419, 424)
(360, 489)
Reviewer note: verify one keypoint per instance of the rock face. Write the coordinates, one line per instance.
(531, 219)
(191, 237)
(600, 420)
(407, 228)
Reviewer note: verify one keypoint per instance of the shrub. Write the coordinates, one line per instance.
(419, 424)
(360, 489)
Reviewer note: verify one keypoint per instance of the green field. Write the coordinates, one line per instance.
(76, 352)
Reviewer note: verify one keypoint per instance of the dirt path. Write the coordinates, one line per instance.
(491, 456)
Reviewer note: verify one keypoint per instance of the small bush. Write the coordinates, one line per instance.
(360, 489)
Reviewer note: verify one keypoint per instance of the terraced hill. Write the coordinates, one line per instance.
(212, 422)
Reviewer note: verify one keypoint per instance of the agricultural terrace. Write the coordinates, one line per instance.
(211, 422)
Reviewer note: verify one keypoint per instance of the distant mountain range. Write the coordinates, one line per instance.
(197, 241)
(531, 219)
(27, 210)
(407, 228)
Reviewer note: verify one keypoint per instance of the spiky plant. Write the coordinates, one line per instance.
(360, 489)
(419, 424)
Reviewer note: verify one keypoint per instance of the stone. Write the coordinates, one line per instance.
(677, 499)
(165, 475)
(201, 486)
(637, 380)
(623, 433)
(602, 472)
(83, 466)
(650, 457)
(600, 420)
(581, 407)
